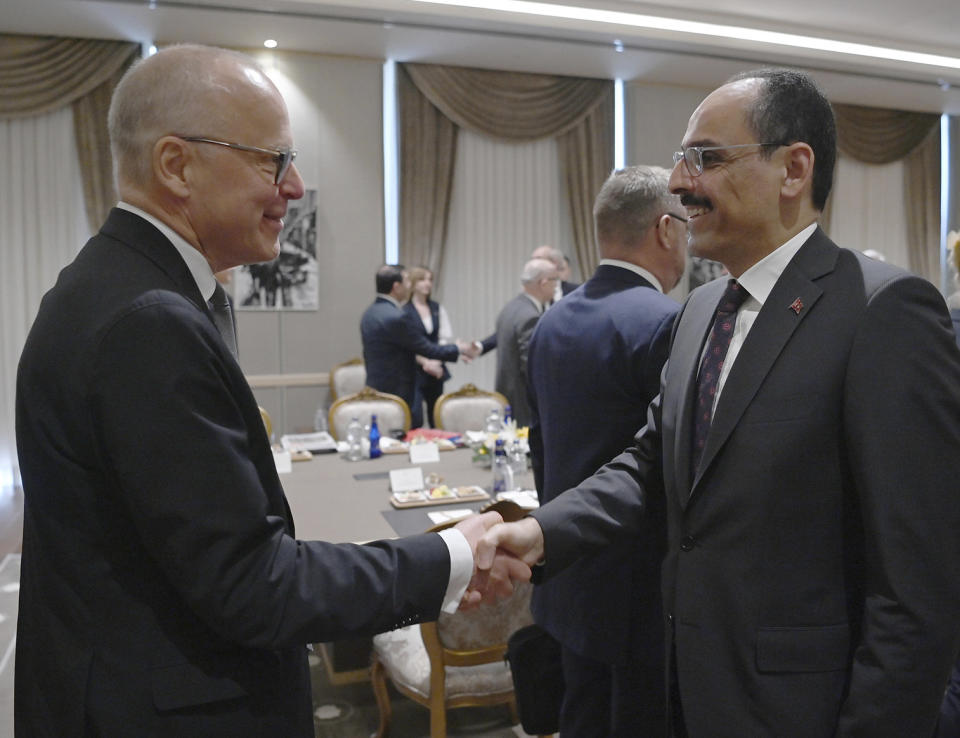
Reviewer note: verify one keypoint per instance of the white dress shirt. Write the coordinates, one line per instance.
(461, 557)
(758, 281)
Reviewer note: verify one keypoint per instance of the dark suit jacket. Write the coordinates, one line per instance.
(162, 589)
(594, 366)
(955, 317)
(391, 341)
(812, 579)
(567, 287)
(515, 325)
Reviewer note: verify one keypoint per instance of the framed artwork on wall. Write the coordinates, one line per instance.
(289, 282)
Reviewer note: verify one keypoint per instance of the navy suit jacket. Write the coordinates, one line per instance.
(163, 591)
(812, 576)
(391, 341)
(594, 366)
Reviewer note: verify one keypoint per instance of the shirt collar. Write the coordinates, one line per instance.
(759, 279)
(636, 270)
(391, 299)
(196, 262)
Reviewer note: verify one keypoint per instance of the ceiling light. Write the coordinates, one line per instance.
(270, 43)
(636, 20)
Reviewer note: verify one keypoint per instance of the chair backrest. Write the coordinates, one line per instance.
(391, 411)
(467, 408)
(347, 378)
(267, 423)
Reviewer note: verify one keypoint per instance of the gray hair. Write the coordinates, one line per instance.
(536, 269)
(549, 253)
(630, 201)
(176, 91)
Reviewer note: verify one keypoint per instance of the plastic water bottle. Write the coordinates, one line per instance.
(502, 473)
(320, 419)
(492, 423)
(518, 462)
(354, 440)
(375, 451)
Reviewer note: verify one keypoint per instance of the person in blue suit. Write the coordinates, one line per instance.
(392, 340)
(594, 366)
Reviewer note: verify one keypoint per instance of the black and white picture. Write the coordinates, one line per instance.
(289, 282)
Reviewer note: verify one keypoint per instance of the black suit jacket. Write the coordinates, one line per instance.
(812, 579)
(391, 341)
(594, 366)
(162, 589)
(428, 380)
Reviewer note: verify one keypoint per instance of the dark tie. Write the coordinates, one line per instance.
(223, 318)
(712, 364)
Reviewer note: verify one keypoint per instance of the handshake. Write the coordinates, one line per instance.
(502, 553)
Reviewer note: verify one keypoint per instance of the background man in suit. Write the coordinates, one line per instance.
(560, 261)
(812, 576)
(515, 325)
(392, 341)
(594, 366)
(162, 589)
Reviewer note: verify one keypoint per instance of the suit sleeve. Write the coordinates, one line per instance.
(902, 418)
(191, 467)
(535, 438)
(411, 337)
(524, 333)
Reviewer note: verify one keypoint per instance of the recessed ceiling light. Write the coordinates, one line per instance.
(270, 43)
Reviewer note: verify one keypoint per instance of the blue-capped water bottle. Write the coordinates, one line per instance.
(375, 451)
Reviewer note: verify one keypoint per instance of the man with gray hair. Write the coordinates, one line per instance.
(515, 324)
(560, 260)
(594, 366)
(163, 590)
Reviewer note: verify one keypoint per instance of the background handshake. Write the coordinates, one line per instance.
(503, 553)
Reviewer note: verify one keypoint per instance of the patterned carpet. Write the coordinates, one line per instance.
(347, 711)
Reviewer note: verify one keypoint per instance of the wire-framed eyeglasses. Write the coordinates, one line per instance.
(283, 158)
(695, 161)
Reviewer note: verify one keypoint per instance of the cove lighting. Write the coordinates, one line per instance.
(636, 20)
(270, 43)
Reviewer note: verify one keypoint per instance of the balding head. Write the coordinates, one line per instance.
(186, 90)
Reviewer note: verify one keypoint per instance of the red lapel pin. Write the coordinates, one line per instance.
(796, 306)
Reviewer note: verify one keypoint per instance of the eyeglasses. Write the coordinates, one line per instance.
(283, 158)
(695, 161)
(674, 215)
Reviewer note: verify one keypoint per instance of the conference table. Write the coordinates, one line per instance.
(336, 500)
(340, 501)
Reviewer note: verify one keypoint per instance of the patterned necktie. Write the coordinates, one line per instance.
(712, 365)
(223, 318)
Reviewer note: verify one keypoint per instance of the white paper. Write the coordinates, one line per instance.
(283, 461)
(406, 480)
(424, 453)
(442, 516)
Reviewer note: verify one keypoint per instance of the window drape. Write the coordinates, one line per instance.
(882, 136)
(507, 105)
(40, 74)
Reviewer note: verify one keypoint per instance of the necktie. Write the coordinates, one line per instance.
(223, 318)
(712, 364)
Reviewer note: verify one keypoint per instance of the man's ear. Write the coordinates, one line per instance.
(663, 232)
(172, 159)
(798, 169)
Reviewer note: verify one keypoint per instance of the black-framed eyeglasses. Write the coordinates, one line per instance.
(283, 158)
(695, 161)
(674, 215)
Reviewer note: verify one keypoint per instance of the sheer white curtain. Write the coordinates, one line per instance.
(42, 226)
(868, 209)
(507, 199)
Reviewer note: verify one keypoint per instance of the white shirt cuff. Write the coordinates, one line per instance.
(461, 568)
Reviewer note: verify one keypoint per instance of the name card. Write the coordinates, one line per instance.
(406, 480)
(283, 461)
(424, 453)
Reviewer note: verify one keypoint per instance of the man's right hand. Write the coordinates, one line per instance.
(496, 557)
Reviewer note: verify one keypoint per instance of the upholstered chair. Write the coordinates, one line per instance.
(347, 378)
(467, 408)
(391, 411)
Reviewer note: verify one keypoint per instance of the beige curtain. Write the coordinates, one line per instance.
(515, 106)
(40, 74)
(881, 136)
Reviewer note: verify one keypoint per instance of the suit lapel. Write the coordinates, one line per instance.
(793, 298)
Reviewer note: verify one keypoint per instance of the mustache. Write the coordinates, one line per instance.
(692, 201)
